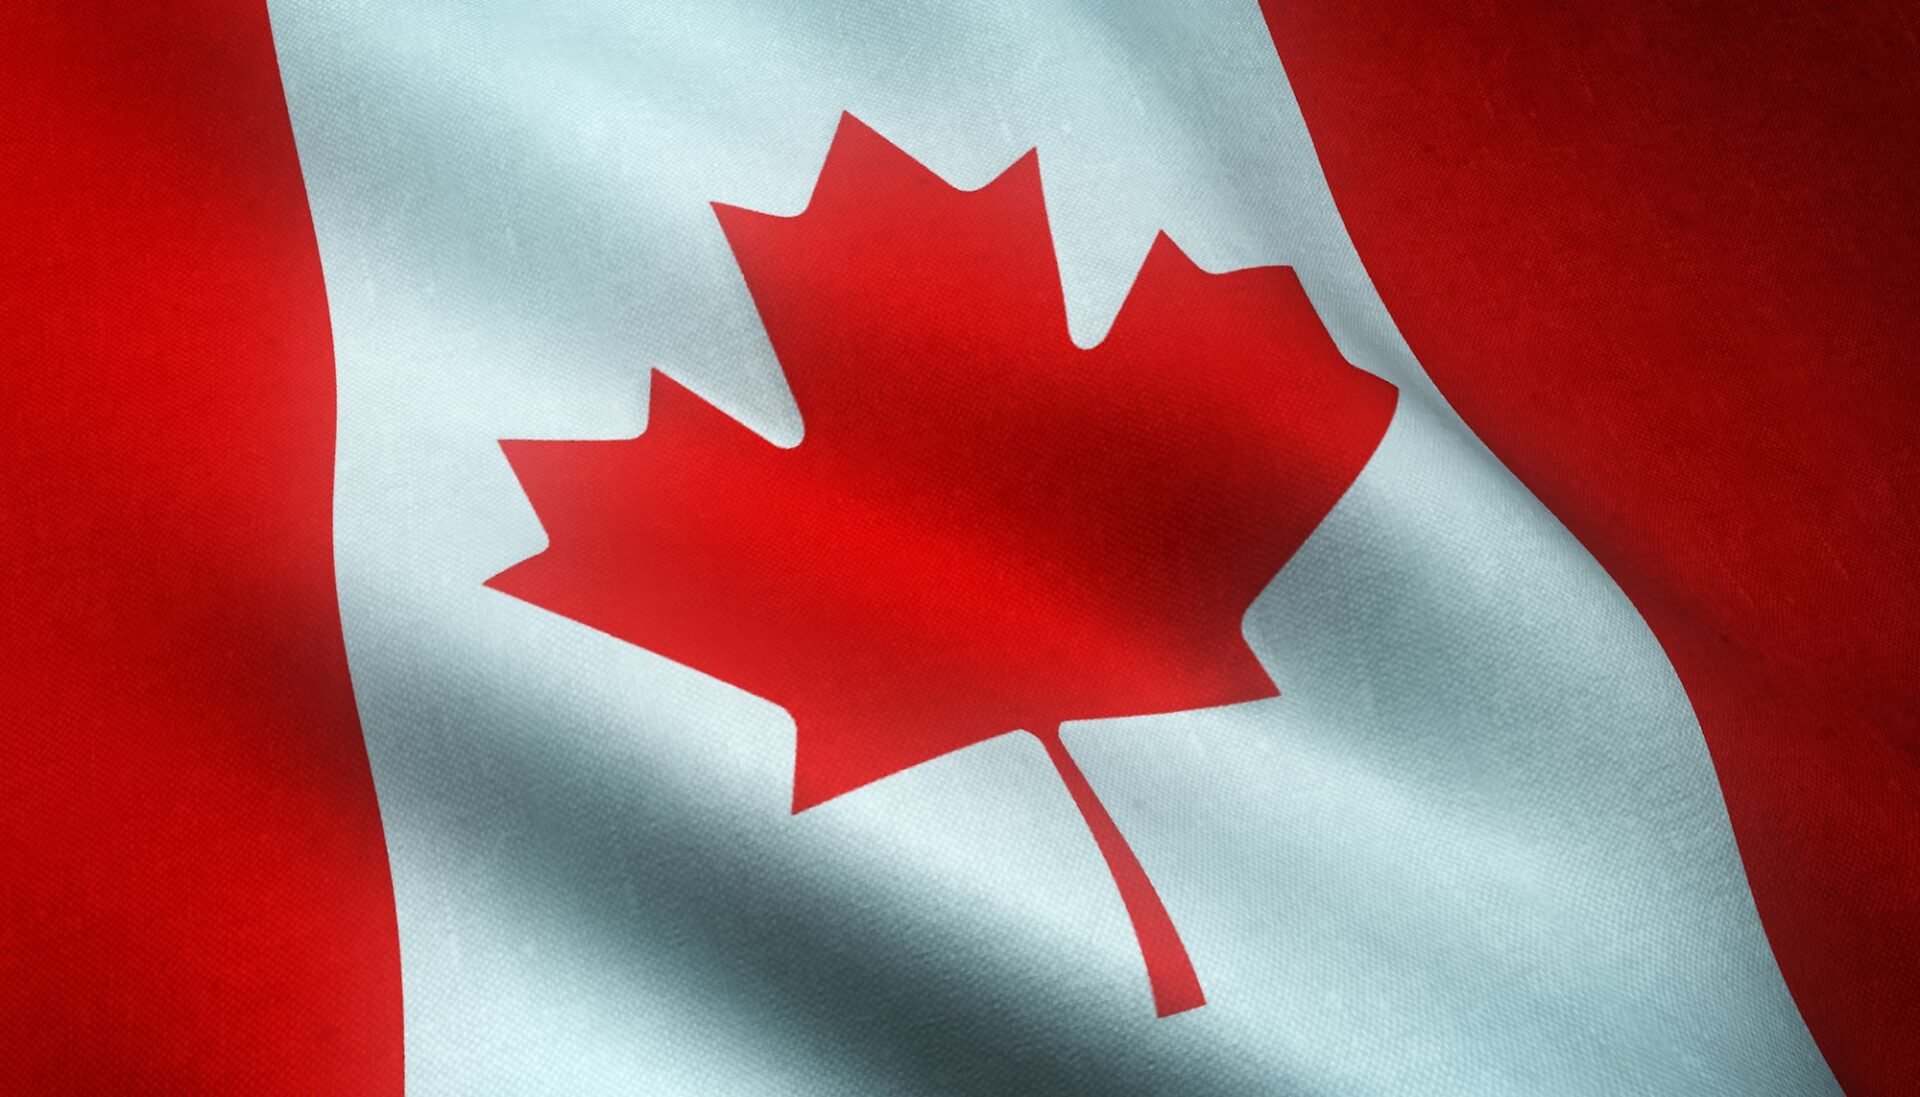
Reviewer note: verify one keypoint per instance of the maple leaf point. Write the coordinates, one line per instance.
(984, 528)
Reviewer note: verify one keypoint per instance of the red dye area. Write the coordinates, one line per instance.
(986, 528)
(1662, 258)
(194, 895)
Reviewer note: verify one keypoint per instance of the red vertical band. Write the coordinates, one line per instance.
(193, 887)
(1665, 260)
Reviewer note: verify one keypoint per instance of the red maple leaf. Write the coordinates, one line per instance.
(985, 528)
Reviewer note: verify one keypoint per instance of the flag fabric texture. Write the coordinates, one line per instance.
(686, 547)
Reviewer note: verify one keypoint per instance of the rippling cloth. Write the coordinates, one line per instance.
(1476, 845)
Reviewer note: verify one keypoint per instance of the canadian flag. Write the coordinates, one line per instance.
(734, 547)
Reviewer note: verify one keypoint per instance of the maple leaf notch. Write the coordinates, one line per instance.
(984, 528)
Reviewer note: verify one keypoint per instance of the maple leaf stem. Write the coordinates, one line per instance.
(1176, 987)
